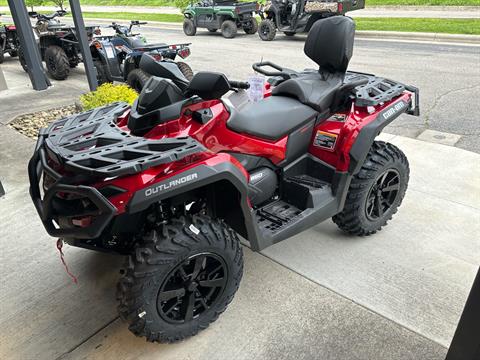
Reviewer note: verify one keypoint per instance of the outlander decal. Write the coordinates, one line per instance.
(170, 184)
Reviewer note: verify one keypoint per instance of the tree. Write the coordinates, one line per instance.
(59, 3)
(182, 4)
(32, 3)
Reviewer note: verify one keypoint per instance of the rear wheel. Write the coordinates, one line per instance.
(102, 76)
(229, 29)
(251, 26)
(57, 62)
(137, 79)
(180, 279)
(189, 27)
(376, 192)
(21, 58)
(267, 30)
(186, 70)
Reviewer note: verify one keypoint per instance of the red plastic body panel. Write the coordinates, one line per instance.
(346, 132)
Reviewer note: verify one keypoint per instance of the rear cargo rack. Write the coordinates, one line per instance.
(378, 90)
(91, 143)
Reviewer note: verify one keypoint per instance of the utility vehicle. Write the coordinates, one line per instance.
(297, 16)
(117, 58)
(226, 15)
(58, 44)
(174, 180)
(9, 42)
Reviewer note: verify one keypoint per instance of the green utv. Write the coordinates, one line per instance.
(226, 15)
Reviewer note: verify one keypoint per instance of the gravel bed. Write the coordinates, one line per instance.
(30, 124)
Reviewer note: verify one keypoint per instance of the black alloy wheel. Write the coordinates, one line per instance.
(192, 287)
(382, 194)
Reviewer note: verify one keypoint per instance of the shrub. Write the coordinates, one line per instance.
(182, 4)
(107, 94)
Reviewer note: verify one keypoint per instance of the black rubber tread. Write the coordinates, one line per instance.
(62, 65)
(21, 59)
(102, 76)
(137, 79)
(229, 29)
(186, 70)
(253, 28)
(272, 30)
(159, 253)
(2, 56)
(382, 156)
(189, 27)
(73, 63)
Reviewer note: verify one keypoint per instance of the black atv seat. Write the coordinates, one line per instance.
(330, 45)
(149, 47)
(271, 118)
(134, 42)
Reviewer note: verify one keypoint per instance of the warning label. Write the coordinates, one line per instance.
(325, 140)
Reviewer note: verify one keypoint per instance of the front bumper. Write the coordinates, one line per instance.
(58, 205)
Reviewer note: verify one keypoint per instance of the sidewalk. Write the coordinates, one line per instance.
(460, 12)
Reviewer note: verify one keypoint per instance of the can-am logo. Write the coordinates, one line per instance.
(393, 110)
(171, 184)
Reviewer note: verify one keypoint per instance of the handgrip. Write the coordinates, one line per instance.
(239, 84)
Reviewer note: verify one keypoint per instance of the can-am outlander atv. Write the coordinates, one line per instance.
(175, 179)
(9, 42)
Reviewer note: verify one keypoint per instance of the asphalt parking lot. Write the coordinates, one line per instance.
(319, 295)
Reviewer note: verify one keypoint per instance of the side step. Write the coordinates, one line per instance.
(306, 201)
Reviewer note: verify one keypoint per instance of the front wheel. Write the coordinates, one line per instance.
(180, 278)
(57, 62)
(189, 27)
(267, 30)
(137, 79)
(376, 191)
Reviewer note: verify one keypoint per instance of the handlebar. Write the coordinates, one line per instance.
(239, 84)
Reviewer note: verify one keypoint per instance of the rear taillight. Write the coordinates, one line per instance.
(184, 53)
(340, 7)
(157, 57)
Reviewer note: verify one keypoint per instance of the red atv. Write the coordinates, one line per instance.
(173, 181)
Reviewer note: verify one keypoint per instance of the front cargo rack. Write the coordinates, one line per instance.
(91, 143)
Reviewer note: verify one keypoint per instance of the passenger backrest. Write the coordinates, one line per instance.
(330, 43)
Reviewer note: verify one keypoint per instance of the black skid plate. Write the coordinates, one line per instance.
(91, 143)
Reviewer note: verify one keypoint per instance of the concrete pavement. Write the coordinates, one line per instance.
(394, 295)
(452, 12)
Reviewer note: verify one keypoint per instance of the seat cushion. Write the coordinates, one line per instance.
(271, 118)
(313, 89)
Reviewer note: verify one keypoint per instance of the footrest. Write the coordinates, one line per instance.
(273, 217)
(307, 180)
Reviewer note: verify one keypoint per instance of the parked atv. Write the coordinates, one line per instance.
(58, 44)
(297, 16)
(173, 180)
(226, 15)
(117, 58)
(9, 42)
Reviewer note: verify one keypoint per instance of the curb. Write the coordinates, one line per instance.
(419, 36)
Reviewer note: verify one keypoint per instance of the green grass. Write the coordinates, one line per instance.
(135, 16)
(450, 26)
(424, 2)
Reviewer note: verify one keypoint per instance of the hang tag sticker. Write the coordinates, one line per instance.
(257, 87)
(325, 140)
